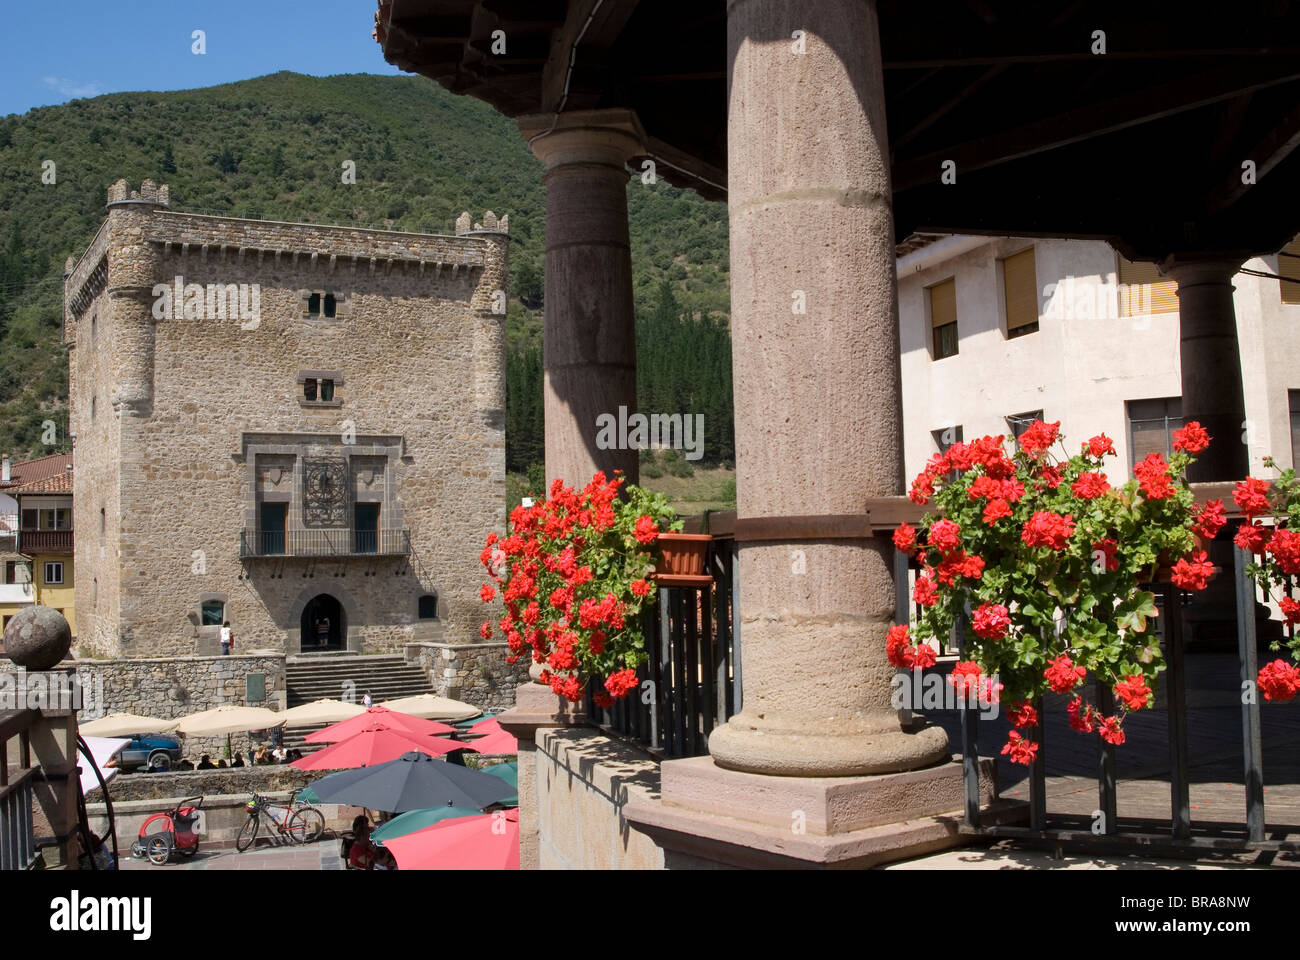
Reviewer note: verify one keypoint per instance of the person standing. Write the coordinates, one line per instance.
(366, 701)
(227, 639)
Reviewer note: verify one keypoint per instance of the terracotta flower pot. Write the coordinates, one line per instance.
(1163, 571)
(681, 560)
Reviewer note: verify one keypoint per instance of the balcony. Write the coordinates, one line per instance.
(339, 542)
(32, 542)
(16, 592)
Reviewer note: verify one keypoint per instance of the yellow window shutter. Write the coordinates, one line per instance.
(943, 303)
(1143, 290)
(1290, 267)
(1020, 289)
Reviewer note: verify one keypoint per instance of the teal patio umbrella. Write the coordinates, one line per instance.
(509, 772)
(405, 823)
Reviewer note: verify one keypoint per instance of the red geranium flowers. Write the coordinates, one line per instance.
(1047, 562)
(572, 577)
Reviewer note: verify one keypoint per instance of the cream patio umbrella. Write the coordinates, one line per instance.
(228, 718)
(124, 724)
(320, 711)
(428, 707)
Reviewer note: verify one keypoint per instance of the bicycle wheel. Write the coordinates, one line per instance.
(159, 849)
(247, 834)
(306, 825)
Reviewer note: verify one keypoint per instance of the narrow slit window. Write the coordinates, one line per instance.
(331, 306)
(309, 389)
(313, 305)
(327, 390)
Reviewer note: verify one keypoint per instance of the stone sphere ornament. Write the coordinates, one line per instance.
(37, 638)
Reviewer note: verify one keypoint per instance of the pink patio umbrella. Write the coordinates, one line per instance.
(389, 718)
(494, 739)
(488, 842)
(376, 744)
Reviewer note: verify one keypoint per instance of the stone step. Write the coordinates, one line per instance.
(383, 676)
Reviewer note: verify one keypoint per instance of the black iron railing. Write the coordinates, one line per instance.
(17, 827)
(1105, 832)
(692, 681)
(337, 542)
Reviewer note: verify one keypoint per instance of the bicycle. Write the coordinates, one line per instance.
(301, 823)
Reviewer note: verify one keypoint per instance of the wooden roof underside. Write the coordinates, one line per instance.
(1142, 146)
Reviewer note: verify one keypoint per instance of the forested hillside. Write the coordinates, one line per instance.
(273, 147)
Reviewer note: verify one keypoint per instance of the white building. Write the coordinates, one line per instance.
(993, 331)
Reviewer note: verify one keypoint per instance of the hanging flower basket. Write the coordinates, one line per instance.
(572, 576)
(1163, 571)
(1276, 550)
(1050, 563)
(682, 557)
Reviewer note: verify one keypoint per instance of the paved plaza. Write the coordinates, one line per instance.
(322, 855)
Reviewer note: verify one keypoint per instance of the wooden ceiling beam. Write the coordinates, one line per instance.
(590, 24)
(1082, 123)
(1275, 146)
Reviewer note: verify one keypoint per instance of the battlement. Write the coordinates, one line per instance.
(149, 192)
(490, 224)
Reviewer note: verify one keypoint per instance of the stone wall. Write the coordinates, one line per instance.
(239, 781)
(583, 780)
(476, 673)
(175, 687)
(223, 816)
(184, 426)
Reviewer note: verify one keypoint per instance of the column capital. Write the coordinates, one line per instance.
(610, 137)
(1199, 268)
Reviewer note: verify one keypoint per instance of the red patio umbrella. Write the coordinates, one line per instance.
(494, 739)
(376, 744)
(389, 718)
(489, 842)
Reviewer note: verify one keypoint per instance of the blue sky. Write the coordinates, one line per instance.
(58, 50)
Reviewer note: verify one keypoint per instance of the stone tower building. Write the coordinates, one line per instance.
(296, 428)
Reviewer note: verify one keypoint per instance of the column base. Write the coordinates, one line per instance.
(711, 816)
(748, 744)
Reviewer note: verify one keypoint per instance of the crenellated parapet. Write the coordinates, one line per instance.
(149, 192)
(489, 224)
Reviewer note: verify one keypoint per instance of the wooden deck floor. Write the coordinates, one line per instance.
(1217, 793)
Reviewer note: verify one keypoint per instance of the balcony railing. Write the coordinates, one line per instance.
(44, 541)
(338, 542)
(692, 681)
(17, 826)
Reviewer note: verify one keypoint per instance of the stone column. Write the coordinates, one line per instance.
(53, 739)
(589, 342)
(1211, 362)
(818, 425)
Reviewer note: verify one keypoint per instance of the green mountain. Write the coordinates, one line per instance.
(274, 147)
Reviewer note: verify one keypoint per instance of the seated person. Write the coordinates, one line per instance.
(384, 859)
(205, 763)
(278, 754)
(239, 759)
(263, 755)
(361, 854)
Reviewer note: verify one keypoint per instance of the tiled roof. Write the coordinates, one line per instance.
(59, 483)
(41, 468)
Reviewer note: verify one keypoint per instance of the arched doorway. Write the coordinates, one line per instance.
(323, 626)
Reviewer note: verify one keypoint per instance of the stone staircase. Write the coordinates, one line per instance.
(319, 677)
